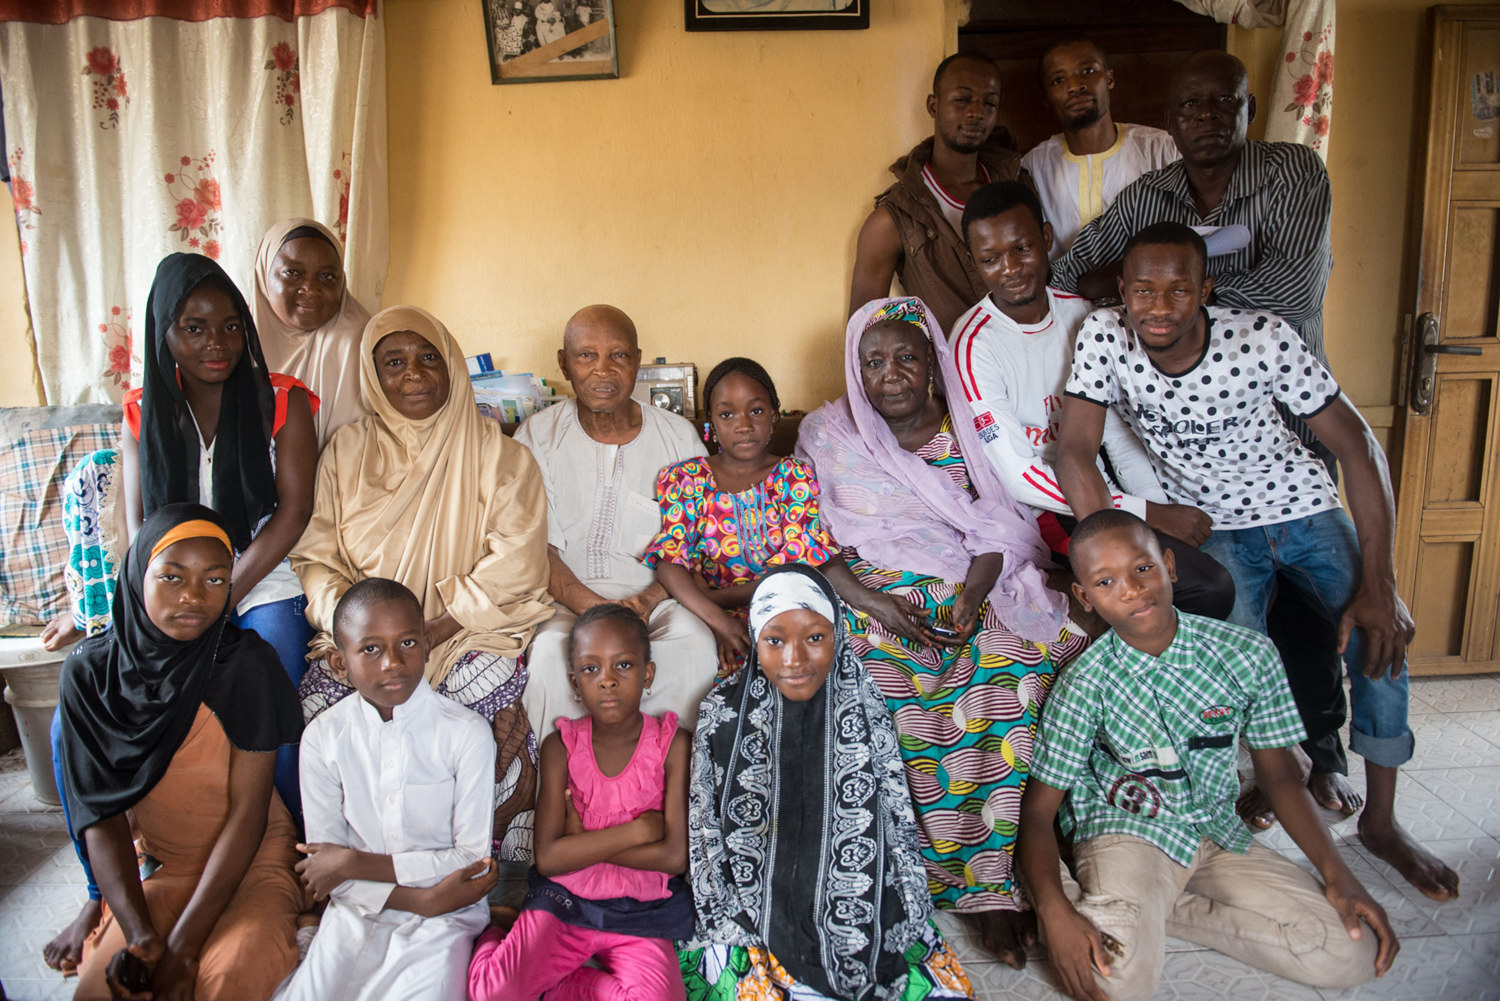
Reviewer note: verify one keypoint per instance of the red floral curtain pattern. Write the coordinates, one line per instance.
(139, 155)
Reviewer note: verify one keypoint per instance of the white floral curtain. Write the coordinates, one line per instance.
(1301, 106)
(128, 139)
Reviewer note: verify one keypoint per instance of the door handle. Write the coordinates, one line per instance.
(1424, 369)
(1451, 349)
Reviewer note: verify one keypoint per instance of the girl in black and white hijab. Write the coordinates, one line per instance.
(802, 841)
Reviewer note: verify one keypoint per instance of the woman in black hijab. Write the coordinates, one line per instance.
(212, 424)
(173, 715)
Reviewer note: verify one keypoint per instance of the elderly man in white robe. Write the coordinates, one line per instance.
(600, 454)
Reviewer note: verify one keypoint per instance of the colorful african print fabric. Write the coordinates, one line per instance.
(750, 973)
(89, 497)
(965, 717)
(734, 538)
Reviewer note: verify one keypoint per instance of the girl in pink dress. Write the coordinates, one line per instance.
(611, 839)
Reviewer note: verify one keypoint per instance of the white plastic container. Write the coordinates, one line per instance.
(31, 675)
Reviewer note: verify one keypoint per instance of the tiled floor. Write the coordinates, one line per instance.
(1450, 796)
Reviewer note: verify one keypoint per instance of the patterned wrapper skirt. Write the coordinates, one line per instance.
(715, 972)
(965, 717)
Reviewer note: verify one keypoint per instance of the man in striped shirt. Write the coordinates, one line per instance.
(1278, 191)
(1014, 350)
(913, 230)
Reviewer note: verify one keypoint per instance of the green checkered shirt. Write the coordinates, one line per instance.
(1147, 745)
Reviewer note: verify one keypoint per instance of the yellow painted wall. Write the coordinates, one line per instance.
(713, 192)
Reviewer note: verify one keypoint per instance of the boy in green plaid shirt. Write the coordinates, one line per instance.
(1140, 735)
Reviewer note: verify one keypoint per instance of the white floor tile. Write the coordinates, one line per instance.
(39, 990)
(1431, 969)
(1408, 918)
(1477, 909)
(1444, 742)
(1211, 976)
(1458, 694)
(998, 982)
(1473, 793)
(29, 917)
(1487, 725)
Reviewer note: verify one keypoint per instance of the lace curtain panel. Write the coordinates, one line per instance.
(131, 135)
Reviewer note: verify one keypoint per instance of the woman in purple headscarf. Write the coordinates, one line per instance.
(949, 607)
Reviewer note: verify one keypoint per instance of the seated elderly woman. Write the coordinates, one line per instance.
(951, 613)
(427, 492)
(310, 325)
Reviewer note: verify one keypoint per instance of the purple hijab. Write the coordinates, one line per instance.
(903, 514)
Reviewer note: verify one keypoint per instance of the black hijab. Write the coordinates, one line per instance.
(244, 487)
(129, 695)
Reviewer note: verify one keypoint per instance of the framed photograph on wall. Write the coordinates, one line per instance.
(774, 15)
(531, 41)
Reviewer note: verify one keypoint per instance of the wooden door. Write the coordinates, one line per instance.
(1448, 493)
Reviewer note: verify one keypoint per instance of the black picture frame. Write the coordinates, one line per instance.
(516, 36)
(730, 15)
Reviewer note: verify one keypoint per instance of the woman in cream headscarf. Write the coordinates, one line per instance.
(427, 492)
(309, 324)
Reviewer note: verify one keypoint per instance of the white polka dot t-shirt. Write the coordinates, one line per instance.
(1212, 432)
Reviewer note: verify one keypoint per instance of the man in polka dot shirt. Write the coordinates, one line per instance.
(1199, 385)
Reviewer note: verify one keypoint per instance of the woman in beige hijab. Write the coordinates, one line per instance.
(308, 322)
(427, 492)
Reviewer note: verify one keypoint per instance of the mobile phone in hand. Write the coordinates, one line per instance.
(130, 972)
(943, 632)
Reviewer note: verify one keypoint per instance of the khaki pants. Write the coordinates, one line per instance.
(687, 660)
(1260, 908)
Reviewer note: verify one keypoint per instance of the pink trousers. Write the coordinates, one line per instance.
(541, 954)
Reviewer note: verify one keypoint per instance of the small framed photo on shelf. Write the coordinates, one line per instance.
(531, 41)
(776, 15)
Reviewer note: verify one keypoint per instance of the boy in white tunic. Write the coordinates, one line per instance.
(397, 788)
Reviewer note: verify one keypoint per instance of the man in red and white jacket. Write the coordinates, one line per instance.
(1014, 351)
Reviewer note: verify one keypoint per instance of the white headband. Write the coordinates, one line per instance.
(784, 592)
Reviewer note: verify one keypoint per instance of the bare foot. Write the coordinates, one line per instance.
(1332, 791)
(60, 633)
(1255, 810)
(1390, 842)
(65, 951)
(1006, 934)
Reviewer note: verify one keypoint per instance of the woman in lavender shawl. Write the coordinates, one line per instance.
(948, 605)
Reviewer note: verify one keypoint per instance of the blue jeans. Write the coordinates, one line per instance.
(283, 624)
(57, 772)
(1319, 556)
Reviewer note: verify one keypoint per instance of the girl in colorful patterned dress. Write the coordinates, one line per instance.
(730, 517)
(807, 880)
(950, 611)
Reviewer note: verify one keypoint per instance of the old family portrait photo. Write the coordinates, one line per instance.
(533, 40)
